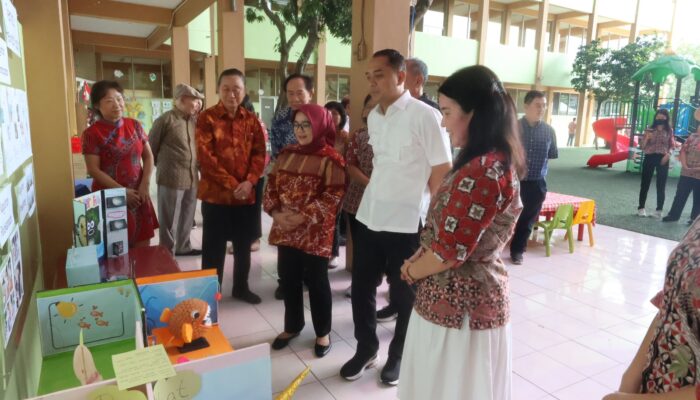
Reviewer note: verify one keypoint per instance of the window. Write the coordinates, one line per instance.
(337, 87)
(565, 104)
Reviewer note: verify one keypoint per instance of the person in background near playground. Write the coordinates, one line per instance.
(657, 144)
(690, 177)
(540, 143)
(572, 133)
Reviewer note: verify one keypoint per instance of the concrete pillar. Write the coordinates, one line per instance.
(673, 22)
(180, 56)
(555, 36)
(70, 71)
(483, 29)
(210, 76)
(540, 41)
(583, 117)
(49, 109)
(448, 13)
(634, 29)
(320, 73)
(550, 106)
(196, 75)
(506, 20)
(378, 35)
(231, 21)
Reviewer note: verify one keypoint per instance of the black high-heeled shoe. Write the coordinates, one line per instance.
(321, 350)
(282, 342)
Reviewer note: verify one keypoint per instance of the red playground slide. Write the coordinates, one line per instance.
(606, 129)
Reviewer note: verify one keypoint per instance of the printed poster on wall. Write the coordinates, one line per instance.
(16, 139)
(12, 285)
(29, 186)
(9, 17)
(4, 64)
(7, 216)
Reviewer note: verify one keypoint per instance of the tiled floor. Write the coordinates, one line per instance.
(577, 320)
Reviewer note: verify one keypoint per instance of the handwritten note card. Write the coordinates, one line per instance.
(184, 386)
(142, 366)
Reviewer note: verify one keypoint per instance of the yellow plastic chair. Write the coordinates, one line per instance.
(584, 215)
(562, 219)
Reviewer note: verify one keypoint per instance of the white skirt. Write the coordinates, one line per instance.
(444, 363)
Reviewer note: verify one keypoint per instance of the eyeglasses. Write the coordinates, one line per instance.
(303, 126)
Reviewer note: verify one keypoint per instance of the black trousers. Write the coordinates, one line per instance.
(220, 224)
(336, 235)
(257, 232)
(295, 268)
(651, 163)
(532, 194)
(374, 254)
(685, 186)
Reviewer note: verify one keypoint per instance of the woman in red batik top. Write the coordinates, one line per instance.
(302, 195)
(117, 154)
(458, 340)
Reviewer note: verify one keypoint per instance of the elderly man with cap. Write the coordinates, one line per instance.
(172, 139)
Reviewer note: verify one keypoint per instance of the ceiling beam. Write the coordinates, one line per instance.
(522, 4)
(105, 39)
(142, 53)
(572, 14)
(189, 10)
(182, 15)
(157, 37)
(612, 24)
(114, 10)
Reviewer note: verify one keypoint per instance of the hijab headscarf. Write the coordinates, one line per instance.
(322, 127)
(323, 131)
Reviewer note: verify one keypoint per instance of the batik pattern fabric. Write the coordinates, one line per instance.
(471, 219)
(673, 355)
(230, 149)
(359, 154)
(309, 184)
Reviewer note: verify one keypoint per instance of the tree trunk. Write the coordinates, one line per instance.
(309, 47)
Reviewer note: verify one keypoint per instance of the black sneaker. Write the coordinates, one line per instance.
(247, 296)
(390, 372)
(387, 314)
(353, 369)
(516, 258)
(279, 294)
(668, 218)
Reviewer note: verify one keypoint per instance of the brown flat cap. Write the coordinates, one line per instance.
(185, 90)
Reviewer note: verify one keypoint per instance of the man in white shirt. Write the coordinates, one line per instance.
(411, 157)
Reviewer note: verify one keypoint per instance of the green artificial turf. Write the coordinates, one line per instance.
(616, 193)
(57, 370)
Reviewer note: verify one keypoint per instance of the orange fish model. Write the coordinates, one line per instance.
(188, 321)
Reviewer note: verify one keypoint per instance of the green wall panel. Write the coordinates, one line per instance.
(512, 64)
(445, 55)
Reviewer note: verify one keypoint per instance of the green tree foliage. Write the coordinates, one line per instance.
(308, 19)
(692, 52)
(607, 73)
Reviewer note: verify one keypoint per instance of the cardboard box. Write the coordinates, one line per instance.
(82, 267)
(88, 222)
